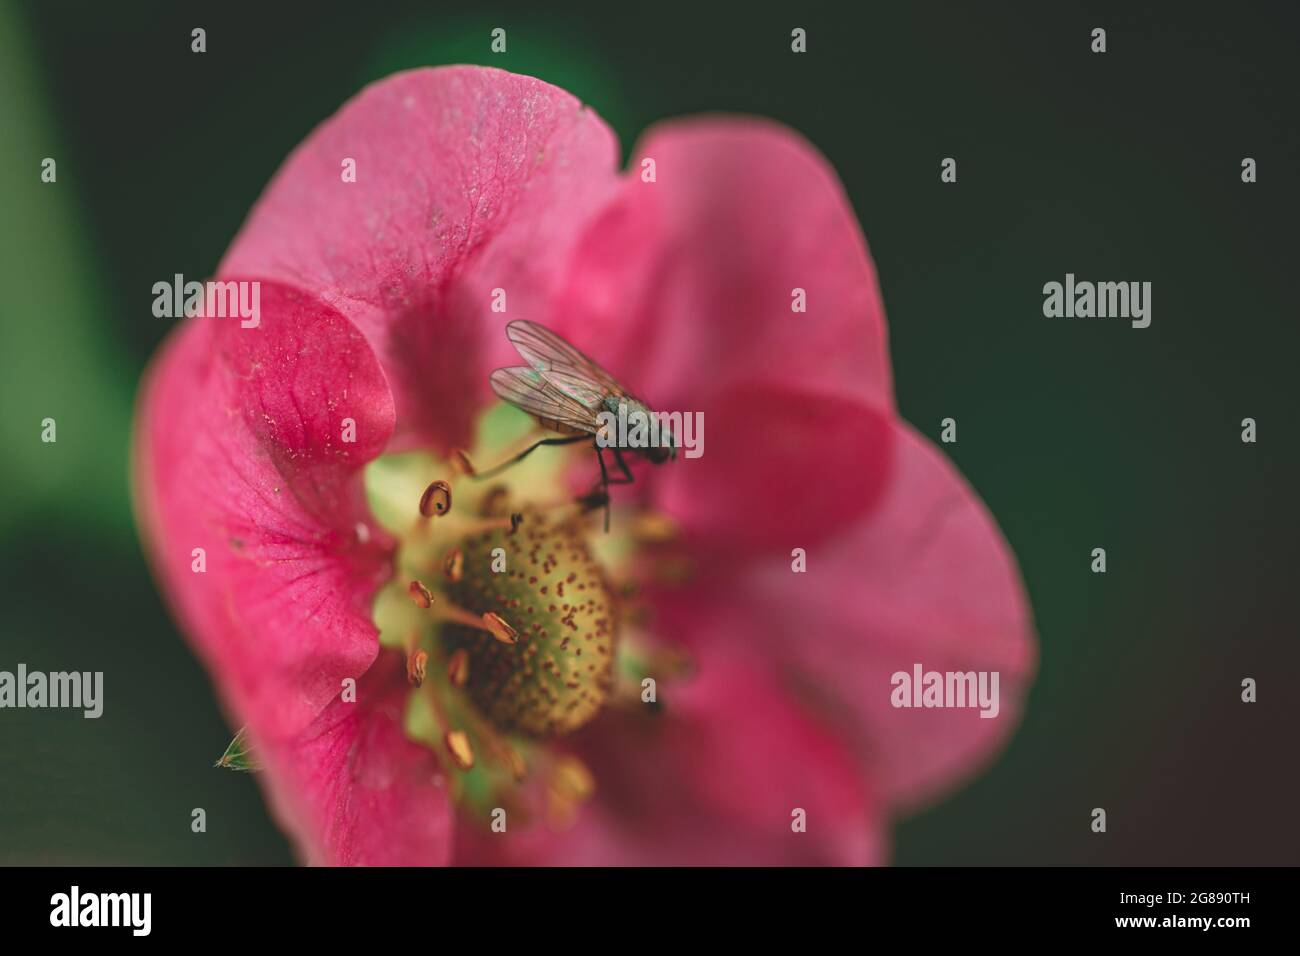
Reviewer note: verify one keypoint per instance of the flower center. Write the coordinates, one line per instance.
(554, 672)
(504, 604)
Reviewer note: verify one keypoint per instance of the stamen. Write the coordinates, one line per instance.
(458, 668)
(561, 510)
(462, 462)
(494, 499)
(572, 780)
(458, 746)
(420, 594)
(499, 629)
(491, 622)
(436, 499)
(518, 769)
(509, 523)
(416, 663)
(433, 700)
(652, 527)
(454, 565)
(499, 753)
(569, 785)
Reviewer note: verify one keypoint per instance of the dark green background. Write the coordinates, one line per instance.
(1078, 434)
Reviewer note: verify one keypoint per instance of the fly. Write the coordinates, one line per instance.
(567, 393)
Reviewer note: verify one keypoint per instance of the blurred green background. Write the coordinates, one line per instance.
(1078, 434)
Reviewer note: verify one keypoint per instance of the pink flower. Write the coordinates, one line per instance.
(377, 309)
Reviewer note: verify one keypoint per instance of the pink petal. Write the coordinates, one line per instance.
(240, 453)
(685, 284)
(353, 790)
(682, 287)
(467, 180)
(781, 464)
(714, 780)
(925, 578)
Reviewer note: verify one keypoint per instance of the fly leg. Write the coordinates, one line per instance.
(527, 451)
(622, 466)
(605, 481)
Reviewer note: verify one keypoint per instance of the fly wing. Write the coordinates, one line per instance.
(562, 365)
(527, 389)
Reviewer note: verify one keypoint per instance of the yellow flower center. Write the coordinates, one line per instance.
(505, 604)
